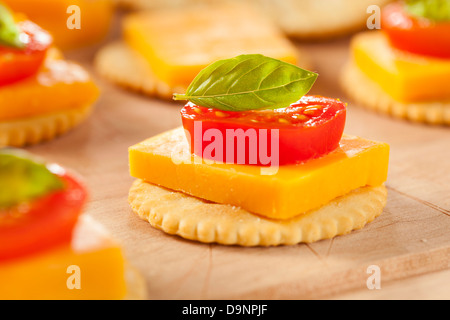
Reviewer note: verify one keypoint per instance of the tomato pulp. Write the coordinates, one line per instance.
(18, 64)
(416, 35)
(308, 129)
(43, 223)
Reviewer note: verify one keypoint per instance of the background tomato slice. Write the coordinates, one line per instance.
(416, 35)
(43, 223)
(18, 64)
(308, 129)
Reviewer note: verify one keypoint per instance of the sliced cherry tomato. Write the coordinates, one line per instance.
(308, 129)
(43, 223)
(18, 64)
(416, 35)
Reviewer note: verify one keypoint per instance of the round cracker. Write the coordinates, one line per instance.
(120, 64)
(133, 72)
(33, 130)
(158, 4)
(320, 19)
(369, 94)
(195, 219)
(305, 19)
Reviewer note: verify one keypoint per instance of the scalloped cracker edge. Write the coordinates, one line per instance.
(305, 19)
(131, 71)
(121, 65)
(34, 130)
(369, 94)
(195, 219)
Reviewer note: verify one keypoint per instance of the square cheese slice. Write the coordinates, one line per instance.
(291, 191)
(91, 267)
(404, 76)
(58, 86)
(179, 43)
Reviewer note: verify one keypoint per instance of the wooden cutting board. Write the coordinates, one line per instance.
(409, 239)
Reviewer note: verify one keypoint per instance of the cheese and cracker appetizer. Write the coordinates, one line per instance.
(404, 69)
(48, 250)
(41, 94)
(319, 19)
(258, 163)
(72, 23)
(302, 19)
(164, 50)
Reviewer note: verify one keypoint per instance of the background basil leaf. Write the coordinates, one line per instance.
(435, 10)
(9, 32)
(249, 82)
(23, 179)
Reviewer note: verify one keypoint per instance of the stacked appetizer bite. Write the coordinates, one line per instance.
(41, 94)
(163, 50)
(404, 69)
(258, 163)
(305, 19)
(49, 251)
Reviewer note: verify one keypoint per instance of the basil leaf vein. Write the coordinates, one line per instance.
(249, 82)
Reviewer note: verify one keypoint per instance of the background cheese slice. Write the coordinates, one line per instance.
(45, 275)
(179, 43)
(56, 16)
(405, 77)
(59, 85)
(293, 190)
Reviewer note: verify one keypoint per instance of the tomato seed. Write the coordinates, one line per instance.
(221, 114)
(299, 117)
(310, 112)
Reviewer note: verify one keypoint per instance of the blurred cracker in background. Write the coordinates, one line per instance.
(53, 15)
(164, 49)
(302, 19)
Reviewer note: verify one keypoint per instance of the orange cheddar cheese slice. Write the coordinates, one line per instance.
(291, 191)
(91, 267)
(180, 43)
(60, 85)
(72, 23)
(404, 76)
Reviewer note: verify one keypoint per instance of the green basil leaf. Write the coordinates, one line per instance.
(435, 10)
(23, 179)
(249, 82)
(9, 32)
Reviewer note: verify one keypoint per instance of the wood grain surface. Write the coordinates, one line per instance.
(410, 242)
